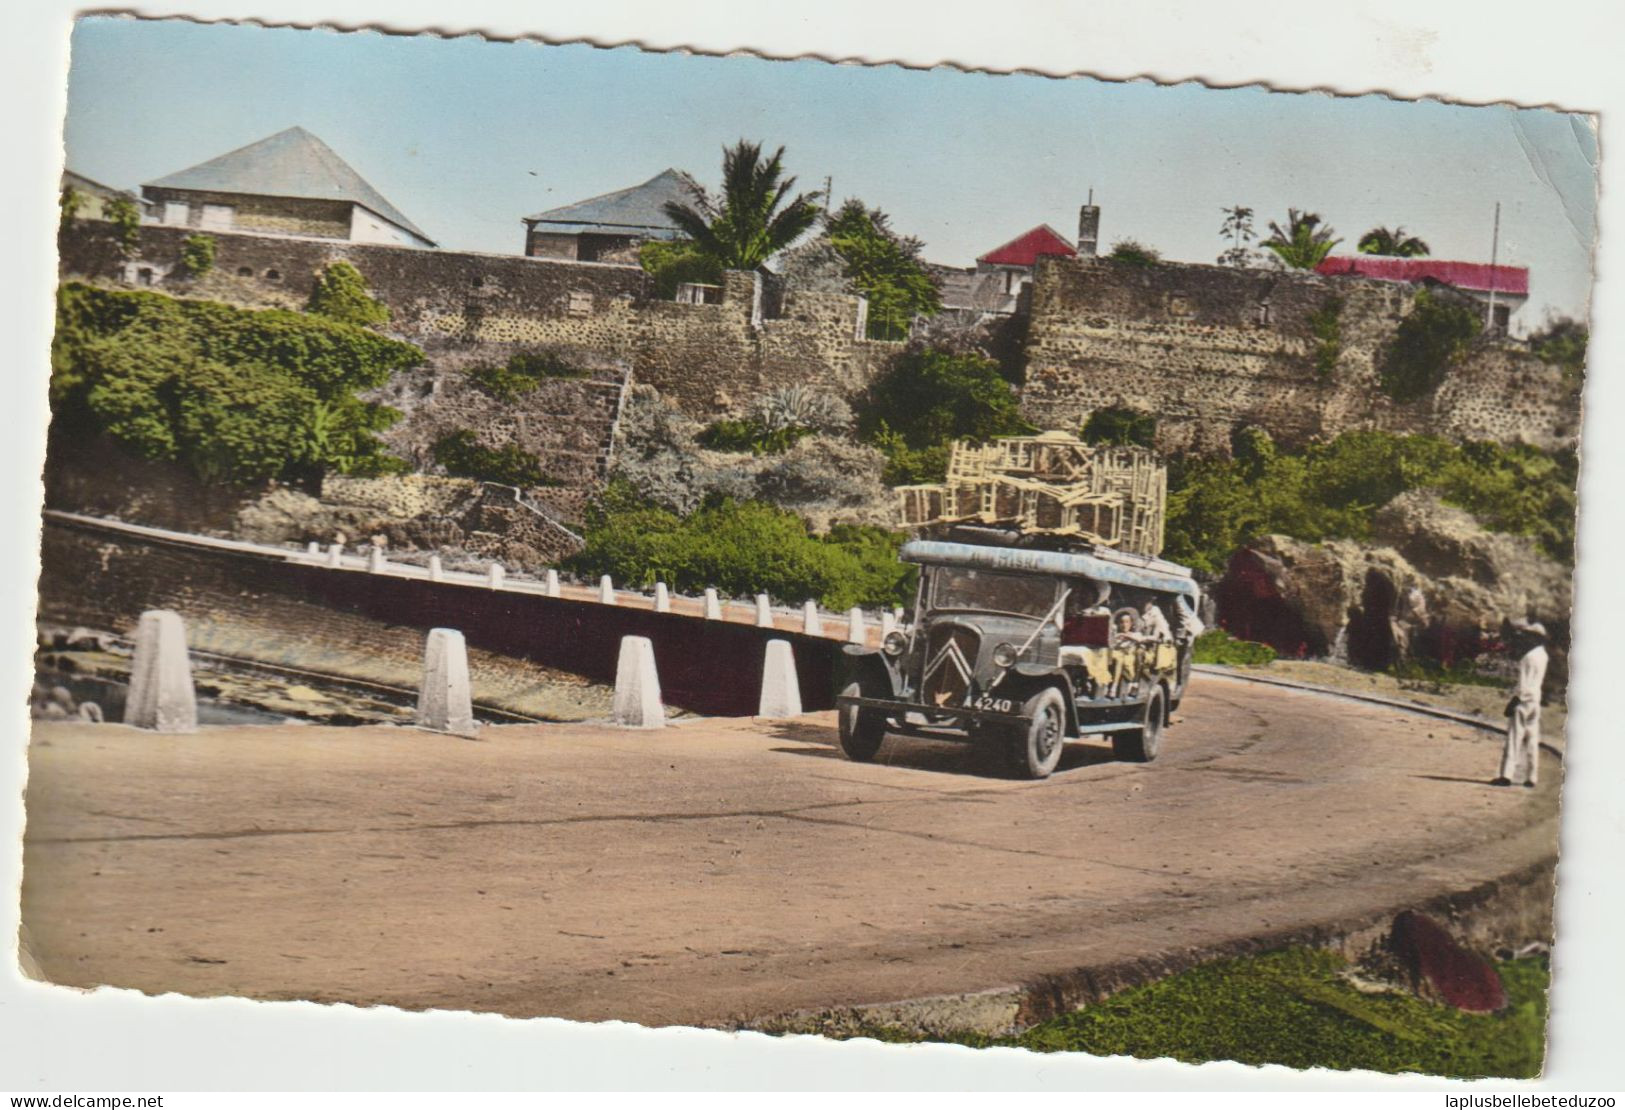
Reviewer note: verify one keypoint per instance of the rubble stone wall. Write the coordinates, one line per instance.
(711, 359)
(1212, 348)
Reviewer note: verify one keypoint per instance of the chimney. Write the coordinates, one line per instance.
(1089, 228)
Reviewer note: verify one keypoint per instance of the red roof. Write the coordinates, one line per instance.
(1025, 249)
(1476, 276)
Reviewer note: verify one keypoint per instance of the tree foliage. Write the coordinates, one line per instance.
(928, 398)
(1392, 241)
(523, 372)
(340, 294)
(1434, 336)
(462, 456)
(1118, 426)
(1237, 228)
(674, 262)
(743, 548)
(1562, 342)
(886, 269)
(197, 255)
(1303, 243)
(68, 205)
(235, 394)
(125, 216)
(1132, 252)
(755, 217)
(1331, 490)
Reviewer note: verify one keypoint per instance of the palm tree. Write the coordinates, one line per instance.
(749, 225)
(1304, 243)
(1380, 240)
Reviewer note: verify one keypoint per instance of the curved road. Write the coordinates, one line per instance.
(720, 871)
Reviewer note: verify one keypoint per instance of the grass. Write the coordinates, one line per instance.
(1218, 646)
(1295, 1007)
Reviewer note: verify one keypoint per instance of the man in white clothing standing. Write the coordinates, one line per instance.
(1520, 759)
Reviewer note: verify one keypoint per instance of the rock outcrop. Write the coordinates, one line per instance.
(1431, 583)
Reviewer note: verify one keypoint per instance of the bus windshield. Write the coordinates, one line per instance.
(1023, 595)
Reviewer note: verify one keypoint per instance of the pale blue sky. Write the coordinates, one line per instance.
(466, 137)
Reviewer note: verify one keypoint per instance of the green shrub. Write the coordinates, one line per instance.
(1132, 252)
(509, 465)
(1434, 337)
(236, 394)
(197, 255)
(521, 373)
(1562, 342)
(125, 216)
(928, 398)
(340, 293)
(1332, 490)
(743, 548)
(675, 262)
(1326, 325)
(1120, 427)
(751, 435)
(1218, 646)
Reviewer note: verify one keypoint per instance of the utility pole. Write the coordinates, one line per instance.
(829, 192)
(1495, 252)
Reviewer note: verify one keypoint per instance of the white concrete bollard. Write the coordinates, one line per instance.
(606, 591)
(335, 555)
(375, 559)
(552, 587)
(764, 612)
(781, 693)
(855, 631)
(161, 694)
(888, 624)
(437, 570)
(812, 622)
(637, 686)
(313, 548)
(713, 605)
(445, 699)
(662, 598)
(494, 576)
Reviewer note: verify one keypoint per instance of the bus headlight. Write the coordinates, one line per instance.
(1004, 656)
(894, 644)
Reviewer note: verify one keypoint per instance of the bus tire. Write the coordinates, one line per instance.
(1140, 745)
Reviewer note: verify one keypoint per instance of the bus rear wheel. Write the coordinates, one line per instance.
(1140, 745)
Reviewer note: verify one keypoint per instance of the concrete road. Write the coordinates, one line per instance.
(723, 870)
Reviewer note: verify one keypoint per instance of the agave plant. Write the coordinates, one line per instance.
(799, 407)
(1303, 244)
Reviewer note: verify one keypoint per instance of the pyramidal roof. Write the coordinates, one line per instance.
(1024, 249)
(291, 163)
(640, 208)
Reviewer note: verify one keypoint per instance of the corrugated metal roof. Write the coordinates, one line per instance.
(1025, 249)
(1479, 277)
(291, 163)
(639, 210)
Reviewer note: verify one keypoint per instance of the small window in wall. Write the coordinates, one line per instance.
(1503, 316)
(580, 304)
(177, 212)
(217, 216)
(143, 276)
(273, 275)
(245, 271)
